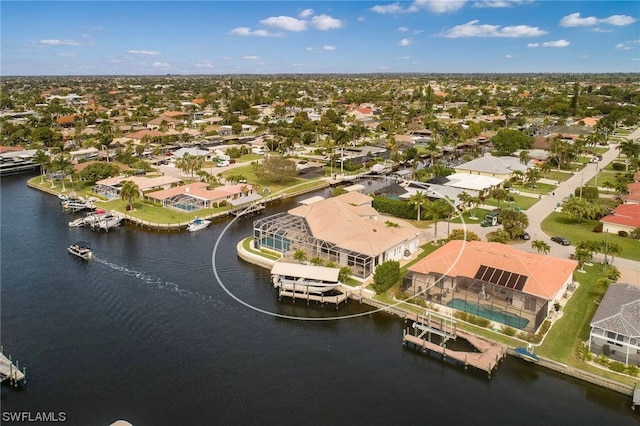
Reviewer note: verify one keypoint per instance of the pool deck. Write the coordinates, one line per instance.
(487, 359)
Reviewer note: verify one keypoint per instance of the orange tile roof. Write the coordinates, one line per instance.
(142, 133)
(347, 221)
(197, 101)
(625, 215)
(67, 119)
(174, 113)
(199, 190)
(546, 274)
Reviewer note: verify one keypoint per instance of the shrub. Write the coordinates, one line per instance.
(598, 227)
(623, 233)
(386, 275)
(617, 366)
(618, 166)
(508, 331)
(633, 370)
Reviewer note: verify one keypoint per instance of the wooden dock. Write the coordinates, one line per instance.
(10, 371)
(487, 359)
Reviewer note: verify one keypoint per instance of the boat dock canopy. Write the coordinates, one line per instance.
(319, 273)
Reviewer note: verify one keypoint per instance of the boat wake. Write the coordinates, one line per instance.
(157, 282)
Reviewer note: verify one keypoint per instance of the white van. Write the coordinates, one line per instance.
(223, 163)
(257, 150)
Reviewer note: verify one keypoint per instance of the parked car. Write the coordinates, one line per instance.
(525, 236)
(513, 191)
(561, 240)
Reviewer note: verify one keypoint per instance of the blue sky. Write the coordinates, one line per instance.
(267, 37)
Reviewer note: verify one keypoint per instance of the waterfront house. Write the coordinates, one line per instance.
(492, 280)
(110, 187)
(625, 217)
(198, 195)
(344, 230)
(497, 167)
(633, 191)
(615, 327)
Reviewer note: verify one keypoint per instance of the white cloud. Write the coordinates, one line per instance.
(433, 6)
(67, 55)
(56, 42)
(328, 47)
(404, 42)
(162, 65)
(556, 43)
(251, 58)
(384, 68)
(393, 8)
(497, 4)
(204, 64)
(247, 32)
(306, 13)
(309, 49)
(628, 45)
(403, 29)
(326, 22)
(472, 29)
(361, 19)
(297, 65)
(618, 20)
(286, 23)
(437, 6)
(575, 20)
(143, 52)
(601, 30)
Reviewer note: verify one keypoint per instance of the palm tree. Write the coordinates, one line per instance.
(499, 194)
(613, 249)
(464, 198)
(583, 256)
(524, 157)
(533, 174)
(62, 165)
(435, 210)
(300, 256)
(129, 191)
(473, 202)
(418, 200)
(630, 149)
(613, 274)
(41, 159)
(540, 246)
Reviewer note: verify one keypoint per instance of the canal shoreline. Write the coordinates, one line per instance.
(550, 364)
(267, 263)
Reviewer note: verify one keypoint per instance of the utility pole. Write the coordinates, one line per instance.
(581, 182)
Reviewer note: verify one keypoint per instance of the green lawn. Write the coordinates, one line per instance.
(556, 175)
(561, 225)
(561, 343)
(291, 187)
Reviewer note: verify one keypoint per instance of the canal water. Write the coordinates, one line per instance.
(146, 332)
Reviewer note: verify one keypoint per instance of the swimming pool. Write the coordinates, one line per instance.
(496, 315)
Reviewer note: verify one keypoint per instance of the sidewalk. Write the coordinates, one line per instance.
(629, 269)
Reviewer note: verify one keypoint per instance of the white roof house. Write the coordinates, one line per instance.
(499, 167)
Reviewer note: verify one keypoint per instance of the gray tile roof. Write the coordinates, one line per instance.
(619, 310)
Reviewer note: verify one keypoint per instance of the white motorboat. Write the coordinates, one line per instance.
(302, 285)
(198, 224)
(81, 251)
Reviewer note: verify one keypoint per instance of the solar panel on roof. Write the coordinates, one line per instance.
(501, 277)
(504, 278)
(480, 272)
(521, 281)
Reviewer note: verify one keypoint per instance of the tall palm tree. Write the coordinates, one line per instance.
(63, 165)
(129, 191)
(418, 200)
(630, 149)
(613, 249)
(42, 160)
(533, 174)
(435, 210)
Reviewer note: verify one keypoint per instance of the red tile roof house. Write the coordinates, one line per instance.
(625, 217)
(492, 280)
(195, 196)
(110, 187)
(633, 193)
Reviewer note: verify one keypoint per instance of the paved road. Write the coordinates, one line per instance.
(539, 211)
